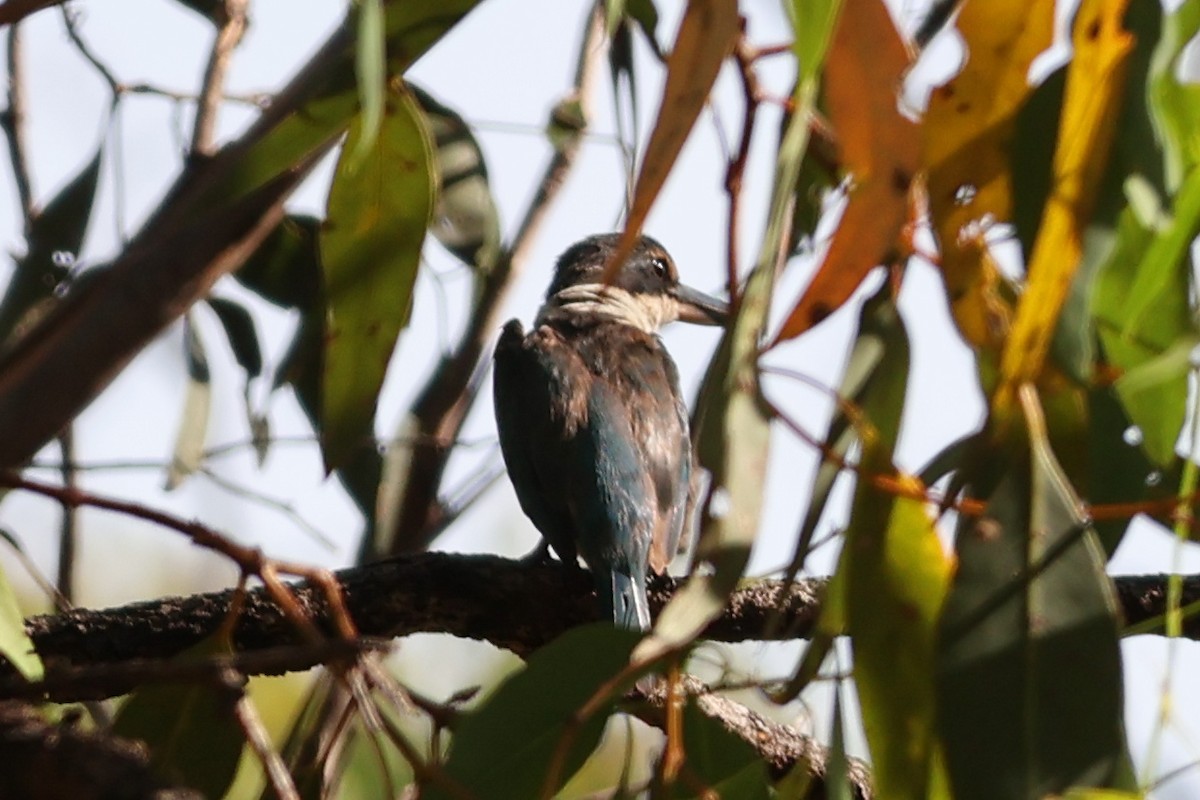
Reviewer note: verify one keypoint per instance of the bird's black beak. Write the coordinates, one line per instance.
(698, 307)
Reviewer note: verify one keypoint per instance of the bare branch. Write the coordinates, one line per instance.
(233, 27)
(13, 121)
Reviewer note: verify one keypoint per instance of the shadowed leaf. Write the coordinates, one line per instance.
(718, 760)
(53, 243)
(193, 735)
(503, 748)
(1029, 648)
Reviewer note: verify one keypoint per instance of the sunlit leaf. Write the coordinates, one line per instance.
(1094, 91)
(896, 578)
(1029, 648)
(465, 220)
(188, 454)
(376, 218)
(879, 147)
(191, 730)
(1175, 100)
(706, 36)
(504, 748)
(1158, 409)
(15, 645)
(53, 243)
(968, 132)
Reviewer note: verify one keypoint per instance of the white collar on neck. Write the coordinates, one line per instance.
(643, 311)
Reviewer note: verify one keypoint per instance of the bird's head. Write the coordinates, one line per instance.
(646, 292)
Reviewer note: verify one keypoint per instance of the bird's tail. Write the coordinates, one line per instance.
(630, 606)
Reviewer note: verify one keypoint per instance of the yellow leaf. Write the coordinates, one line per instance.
(706, 36)
(896, 584)
(880, 147)
(968, 128)
(1095, 84)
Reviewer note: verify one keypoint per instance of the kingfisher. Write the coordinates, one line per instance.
(592, 424)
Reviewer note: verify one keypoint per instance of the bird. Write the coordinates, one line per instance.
(592, 424)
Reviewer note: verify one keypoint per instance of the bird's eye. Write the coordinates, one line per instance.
(659, 266)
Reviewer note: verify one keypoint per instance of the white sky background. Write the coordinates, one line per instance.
(508, 63)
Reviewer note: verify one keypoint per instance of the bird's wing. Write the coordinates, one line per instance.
(525, 392)
(660, 429)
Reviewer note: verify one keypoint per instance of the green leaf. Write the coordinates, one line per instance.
(188, 454)
(504, 748)
(1131, 339)
(15, 645)
(53, 242)
(1175, 105)
(465, 219)
(376, 217)
(192, 732)
(1029, 648)
(896, 576)
(370, 68)
(720, 761)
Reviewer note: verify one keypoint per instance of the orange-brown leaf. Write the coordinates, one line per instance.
(968, 130)
(706, 36)
(880, 148)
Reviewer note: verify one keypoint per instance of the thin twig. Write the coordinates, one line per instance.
(281, 506)
(250, 560)
(233, 27)
(13, 120)
(70, 22)
(744, 55)
(68, 531)
(260, 742)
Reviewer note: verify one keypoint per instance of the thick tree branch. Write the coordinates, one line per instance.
(512, 604)
(17, 10)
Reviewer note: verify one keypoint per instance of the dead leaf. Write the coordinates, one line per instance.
(880, 148)
(706, 36)
(969, 126)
